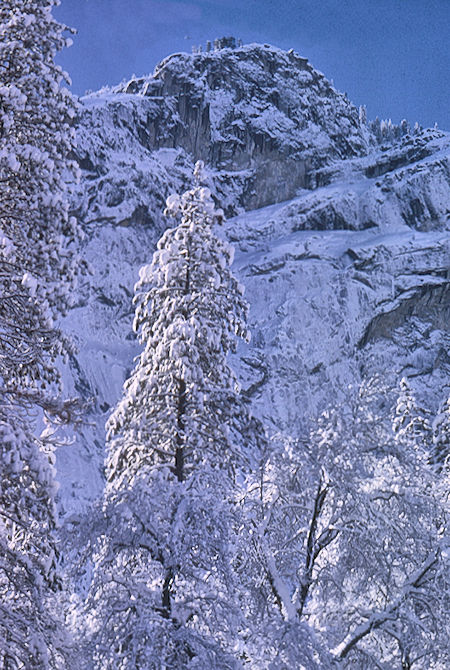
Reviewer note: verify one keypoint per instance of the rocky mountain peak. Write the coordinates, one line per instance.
(261, 118)
(252, 104)
(341, 233)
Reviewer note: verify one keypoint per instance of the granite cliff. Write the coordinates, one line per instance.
(342, 236)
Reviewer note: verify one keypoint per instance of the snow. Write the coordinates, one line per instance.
(309, 307)
(30, 282)
(13, 163)
(328, 305)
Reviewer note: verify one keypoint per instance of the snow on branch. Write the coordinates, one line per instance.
(390, 613)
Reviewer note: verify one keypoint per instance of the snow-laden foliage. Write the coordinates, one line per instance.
(411, 424)
(26, 331)
(180, 406)
(36, 137)
(349, 536)
(179, 441)
(31, 633)
(37, 273)
(162, 593)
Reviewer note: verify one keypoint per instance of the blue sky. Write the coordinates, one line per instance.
(391, 55)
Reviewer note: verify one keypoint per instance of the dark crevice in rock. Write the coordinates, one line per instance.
(429, 302)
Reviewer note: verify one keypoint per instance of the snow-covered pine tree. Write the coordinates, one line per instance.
(163, 591)
(36, 137)
(181, 402)
(410, 421)
(37, 270)
(30, 633)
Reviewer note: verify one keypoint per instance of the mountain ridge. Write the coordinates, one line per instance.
(347, 276)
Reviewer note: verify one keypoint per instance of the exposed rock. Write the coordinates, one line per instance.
(257, 115)
(348, 278)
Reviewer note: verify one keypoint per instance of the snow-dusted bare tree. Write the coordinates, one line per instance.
(348, 539)
(37, 271)
(163, 594)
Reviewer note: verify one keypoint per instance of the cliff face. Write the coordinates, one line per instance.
(261, 118)
(346, 261)
(239, 107)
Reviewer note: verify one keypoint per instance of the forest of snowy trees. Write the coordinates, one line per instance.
(216, 544)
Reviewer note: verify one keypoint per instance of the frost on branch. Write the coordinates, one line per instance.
(346, 536)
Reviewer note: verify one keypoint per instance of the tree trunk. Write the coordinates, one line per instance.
(179, 450)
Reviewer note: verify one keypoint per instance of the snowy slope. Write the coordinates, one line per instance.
(346, 266)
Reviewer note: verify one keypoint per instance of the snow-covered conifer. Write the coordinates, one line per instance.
(410, 422)
(30, 633)
(163, 592)
(36, 137)
(37, 272)
(181, 407)
(363, 115)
